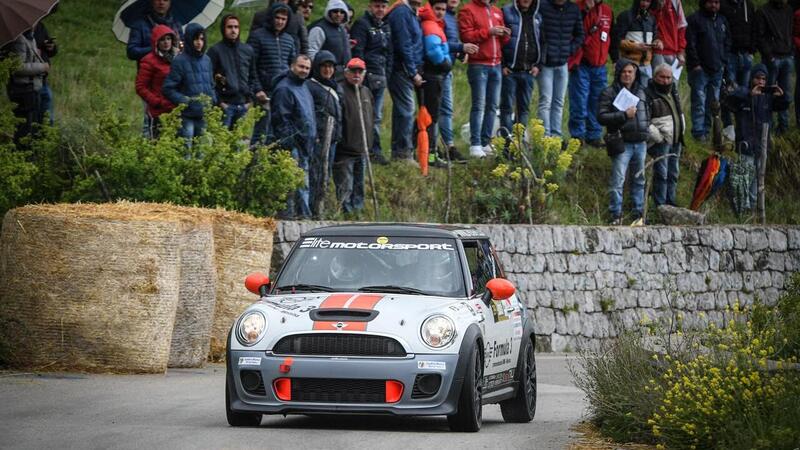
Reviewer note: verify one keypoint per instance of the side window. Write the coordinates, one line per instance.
(481, 264)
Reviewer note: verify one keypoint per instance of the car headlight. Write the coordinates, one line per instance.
(438, 331)
(251, 328)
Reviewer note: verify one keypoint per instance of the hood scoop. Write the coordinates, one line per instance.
(343, 315)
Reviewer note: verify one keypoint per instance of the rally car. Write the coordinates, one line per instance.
(383, 319)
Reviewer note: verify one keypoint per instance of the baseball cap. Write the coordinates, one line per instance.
(356, 63)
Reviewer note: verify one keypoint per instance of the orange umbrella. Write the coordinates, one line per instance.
(705, 181)
(424, 120)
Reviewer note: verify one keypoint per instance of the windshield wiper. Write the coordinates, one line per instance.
(393, 289)
(303, 287)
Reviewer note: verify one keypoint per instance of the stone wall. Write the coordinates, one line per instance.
(585, 284)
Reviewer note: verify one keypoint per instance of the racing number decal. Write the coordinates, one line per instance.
(345, 301)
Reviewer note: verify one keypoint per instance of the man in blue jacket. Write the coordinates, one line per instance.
(373, 44)
(406, 75)
(190, 76)
(521, 57)
(708, 43)
(139, 38)
(294, 122)
(562, 31)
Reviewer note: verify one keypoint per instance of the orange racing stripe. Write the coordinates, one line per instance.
(339, 301)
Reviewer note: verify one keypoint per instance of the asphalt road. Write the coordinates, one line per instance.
(185, 409)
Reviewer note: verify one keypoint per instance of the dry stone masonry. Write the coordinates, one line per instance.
(586, 284)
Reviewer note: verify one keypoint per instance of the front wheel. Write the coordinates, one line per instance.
(470, 408)
(522, 407)
(237, 419)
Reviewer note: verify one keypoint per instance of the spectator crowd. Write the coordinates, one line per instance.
(321, 86)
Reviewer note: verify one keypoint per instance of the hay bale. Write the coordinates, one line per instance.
(242, 244)
(88, 287)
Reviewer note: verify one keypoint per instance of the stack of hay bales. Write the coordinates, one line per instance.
(123, 287)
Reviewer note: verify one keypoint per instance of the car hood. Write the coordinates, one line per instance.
(395, 315)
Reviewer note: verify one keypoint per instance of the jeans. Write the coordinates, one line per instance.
(377, 102)
(46, 102)
(552, 88)
(297, 204)
(705, 88)
(348, 175)
(191, 128)
(780, 71)
(153, 127)
(233, 113)
(515, 99)
(446, 110)
(261, 130)
(484, 82)
(662, 59)
(634, 156)
(665, 173)
(585, 85)
(401, 88)
(739, 65)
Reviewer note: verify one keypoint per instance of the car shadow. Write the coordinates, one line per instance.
(434, 424)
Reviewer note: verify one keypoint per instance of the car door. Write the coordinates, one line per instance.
(499, 345)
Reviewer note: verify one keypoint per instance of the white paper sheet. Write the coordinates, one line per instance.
(676, 71)
(625, 99)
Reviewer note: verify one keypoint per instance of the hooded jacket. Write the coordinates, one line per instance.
(774, 30)
(326, 35)
(523, 50)
(190, 76)
(292, 114)
(373, 43)
(635, 26)
(597, 31)
(234, 65)
(666, 115)
(295, 25)
(751, 112)
(406, 38)
(634, 129)
(153, 70)
(273, 51)
(741, 16)
(708, 41)
(671, 25)
(437, 53)
(327, 97)
(139, 42)
(562, 31)
(474, 21)
(352, 143)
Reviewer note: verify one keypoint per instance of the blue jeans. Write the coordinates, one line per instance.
(233, 113)
(46, 102)
(401, 88)
(633, 156)
(552, 88)
(297, 204)
(446, 110)
(377, 102)
(780, 71)
(484, 82)
(191, 128)
(665, 173)
(585, 85)
(705, 88)
(261, 130)
(515, 99)
(348, 175)
(739, 65)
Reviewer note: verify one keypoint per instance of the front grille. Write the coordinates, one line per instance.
(337, 390)
(339, 344)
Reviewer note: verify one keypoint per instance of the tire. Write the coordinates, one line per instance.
(470, 410)
(522, 407)
(237, 419)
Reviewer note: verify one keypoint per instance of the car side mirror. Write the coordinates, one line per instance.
(498, 289)
(257, 283)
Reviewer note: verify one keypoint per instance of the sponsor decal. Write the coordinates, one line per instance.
(494, 350)
(499, 310)
(326, 244)
(249, 360)
(382, 240)
(497, 379)
(345, 301)
(432, 365)
(289, 310)
(517, 328)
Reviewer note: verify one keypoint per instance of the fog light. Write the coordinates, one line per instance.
(428, 384)
(283, 389)
(251, 380)
(394, 390)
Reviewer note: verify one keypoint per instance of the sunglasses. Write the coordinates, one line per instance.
(338, 11)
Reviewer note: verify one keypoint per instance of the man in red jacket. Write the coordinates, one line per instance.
(481, 23)
(588, 76)
(153, 69)
(671, 29)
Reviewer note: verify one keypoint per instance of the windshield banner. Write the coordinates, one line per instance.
(380, 243)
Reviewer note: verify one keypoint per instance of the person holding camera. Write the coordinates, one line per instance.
(626, 138)
(637, 37)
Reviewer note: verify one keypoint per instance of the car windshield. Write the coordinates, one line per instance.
(403, 265)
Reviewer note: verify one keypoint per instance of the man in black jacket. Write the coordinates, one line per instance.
(707, 46)
(666, 133)
(627, 133)
(295, 25)
(774, 31)
(235, 77)
(373, 44)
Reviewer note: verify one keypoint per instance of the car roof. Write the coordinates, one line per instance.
(397, 229)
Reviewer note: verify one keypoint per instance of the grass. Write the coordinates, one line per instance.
(91, 71)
